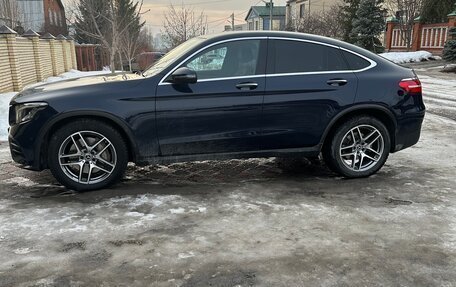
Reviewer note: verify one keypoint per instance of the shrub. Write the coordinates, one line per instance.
(449, 51)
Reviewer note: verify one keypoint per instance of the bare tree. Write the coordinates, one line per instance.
(10, 13)
(135, 43)
(321, 23)
(406, 11)
(103, 22)
(183, 23)
(130, 40)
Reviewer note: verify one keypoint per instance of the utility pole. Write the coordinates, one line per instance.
(232, 22)
(309, 7)
(270, 14)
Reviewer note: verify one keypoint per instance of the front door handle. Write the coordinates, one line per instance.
(337, 82)
(247, 86)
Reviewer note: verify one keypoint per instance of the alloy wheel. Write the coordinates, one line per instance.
(87, 157)
(361, 148)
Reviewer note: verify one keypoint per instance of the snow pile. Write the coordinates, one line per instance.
(6, 97)
(409, 57)
(4, 107)
(74, 74)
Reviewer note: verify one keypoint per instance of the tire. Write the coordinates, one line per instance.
(95, 146)
(352, 156)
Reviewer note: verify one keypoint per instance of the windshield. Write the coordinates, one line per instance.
(171, 56)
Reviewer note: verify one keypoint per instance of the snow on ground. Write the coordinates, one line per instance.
(4, 107)
(439, 88)
(6, 97)
(439, 94)
(409, 57)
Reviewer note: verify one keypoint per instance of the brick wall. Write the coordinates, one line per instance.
(6, 81)
(28, 59)
(46, 58)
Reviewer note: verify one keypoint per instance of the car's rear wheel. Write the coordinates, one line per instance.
(87, 154)
(358, 148)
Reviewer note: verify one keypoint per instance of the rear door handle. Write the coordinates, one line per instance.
(337, 82)
(247, 86)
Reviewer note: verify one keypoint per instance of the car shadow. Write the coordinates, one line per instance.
(292, 177)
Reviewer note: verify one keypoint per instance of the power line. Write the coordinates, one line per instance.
(191, 4)
(221, 19)
(250, 7)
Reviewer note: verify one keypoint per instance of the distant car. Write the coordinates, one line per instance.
(258, 94)
(143, 61)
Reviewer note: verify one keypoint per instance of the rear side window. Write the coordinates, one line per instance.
(300, 57)
(355, 62)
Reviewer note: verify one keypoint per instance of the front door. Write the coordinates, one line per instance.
(307, 84)
(222, 111)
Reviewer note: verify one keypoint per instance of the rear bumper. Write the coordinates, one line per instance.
(408, 131)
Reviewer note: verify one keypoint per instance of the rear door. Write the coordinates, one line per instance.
(307, 83)
(222, 111)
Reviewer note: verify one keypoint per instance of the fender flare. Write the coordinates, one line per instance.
(88, 113)
(360, 108)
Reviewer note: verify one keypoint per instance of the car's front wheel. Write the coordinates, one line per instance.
(87, 154)
(358, 147)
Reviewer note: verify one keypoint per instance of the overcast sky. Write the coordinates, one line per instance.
(217, 11)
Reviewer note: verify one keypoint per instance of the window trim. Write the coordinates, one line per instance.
(162, 81)
(372, 62)
(267, 75)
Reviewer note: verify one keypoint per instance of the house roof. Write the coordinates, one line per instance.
(262, 11)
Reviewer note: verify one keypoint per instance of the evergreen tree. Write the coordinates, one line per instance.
(88, 12)
(349, 8)
(368, 24)
(436, 11)
(449, 51)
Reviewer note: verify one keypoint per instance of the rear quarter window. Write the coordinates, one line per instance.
(296, 57)
(355, 62)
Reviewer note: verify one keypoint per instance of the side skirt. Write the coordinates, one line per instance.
(295, 152)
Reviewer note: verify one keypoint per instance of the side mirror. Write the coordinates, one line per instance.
(183, 75)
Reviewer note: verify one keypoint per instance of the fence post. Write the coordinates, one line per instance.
(390, 23)
(452, 22)
(35, 37)
(62, 40)
(79, 56)
(73, 52)
(416, 34)
(10, 36)
(51, 40)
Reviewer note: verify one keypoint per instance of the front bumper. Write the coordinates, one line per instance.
(25, 141)
(22, 146)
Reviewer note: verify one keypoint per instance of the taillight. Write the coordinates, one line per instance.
(411, 86)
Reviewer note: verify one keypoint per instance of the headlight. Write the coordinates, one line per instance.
(26, 112)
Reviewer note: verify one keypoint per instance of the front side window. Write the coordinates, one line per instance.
(170, 58)
(300, 57)
(231, 59)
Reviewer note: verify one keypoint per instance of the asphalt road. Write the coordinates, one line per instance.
(261, 222)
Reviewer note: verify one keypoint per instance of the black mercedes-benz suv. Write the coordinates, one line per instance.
(231, 95)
